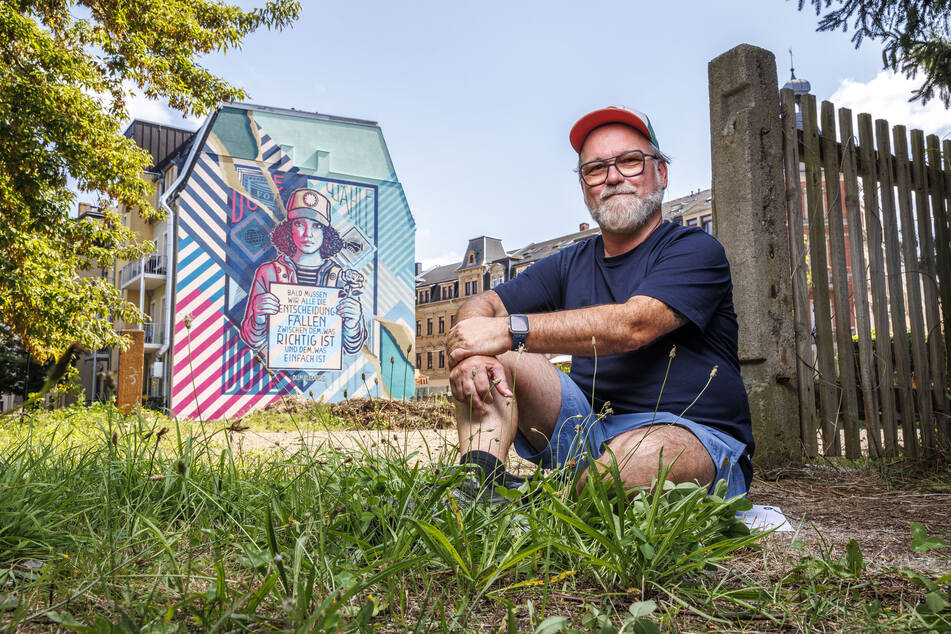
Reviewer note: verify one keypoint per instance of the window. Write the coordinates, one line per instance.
(452, 321)
(442, 359)
(419, 328)
(419, 360)
(475, 287)
(471, 259)
(429, 360)
(693, 222)
(442, 326)
(429, 327)
(706, 223)
(467, 289)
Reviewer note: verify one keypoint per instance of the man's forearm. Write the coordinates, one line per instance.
(602, 330)
(487, 304)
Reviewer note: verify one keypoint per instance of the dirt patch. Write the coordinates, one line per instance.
(829, 505)
(367, 413)
(426, 446)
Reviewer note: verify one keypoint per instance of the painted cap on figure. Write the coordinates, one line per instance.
(309, 203)
(612, 114)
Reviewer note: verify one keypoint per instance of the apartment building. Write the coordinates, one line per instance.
(285, 265)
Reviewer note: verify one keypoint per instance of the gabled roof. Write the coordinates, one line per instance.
(687, 205)
(445, 273)
(161, 141)
(538, 250)
(486, 251)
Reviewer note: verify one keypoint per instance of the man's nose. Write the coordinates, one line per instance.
(614, 174)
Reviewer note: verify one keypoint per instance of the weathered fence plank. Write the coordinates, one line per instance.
(940, 336)
(943, 237)
(876, 267)
(895, 294)
(805, 359)
(920, 375)
(828, 398)
(863, 327)
(840, 283)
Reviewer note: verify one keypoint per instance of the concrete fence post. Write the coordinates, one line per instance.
(750, 222)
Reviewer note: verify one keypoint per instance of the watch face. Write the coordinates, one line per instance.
(518, 323)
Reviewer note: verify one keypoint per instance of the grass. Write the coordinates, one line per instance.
(109, 524)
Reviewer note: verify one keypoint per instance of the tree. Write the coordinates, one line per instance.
(917, 36)
(66, 67)
(20, 374)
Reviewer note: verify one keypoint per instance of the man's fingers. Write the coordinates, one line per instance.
(502, 387)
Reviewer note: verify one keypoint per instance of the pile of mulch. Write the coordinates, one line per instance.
(375, 413)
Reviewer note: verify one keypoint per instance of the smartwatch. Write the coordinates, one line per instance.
(518, 326)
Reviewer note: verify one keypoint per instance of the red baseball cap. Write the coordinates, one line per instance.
(612, 114)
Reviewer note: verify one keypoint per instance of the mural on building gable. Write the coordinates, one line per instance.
(303, 309)
(286, 282)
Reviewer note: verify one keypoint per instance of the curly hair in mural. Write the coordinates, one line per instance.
(283, 239)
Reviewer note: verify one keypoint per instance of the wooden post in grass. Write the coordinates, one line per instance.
(750, 221)
(131, 371)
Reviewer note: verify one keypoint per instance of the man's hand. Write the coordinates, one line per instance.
(474, 379)
(479, 336)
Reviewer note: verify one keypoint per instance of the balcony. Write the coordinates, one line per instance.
(154, 335)
(150, 270)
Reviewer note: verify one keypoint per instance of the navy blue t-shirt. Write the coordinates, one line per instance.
(683, 267)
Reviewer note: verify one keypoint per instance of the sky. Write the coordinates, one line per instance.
(475, 100)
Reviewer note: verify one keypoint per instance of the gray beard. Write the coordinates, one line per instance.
(625, 214)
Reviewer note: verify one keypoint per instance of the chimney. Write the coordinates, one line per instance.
(419, 268)
(583, 226)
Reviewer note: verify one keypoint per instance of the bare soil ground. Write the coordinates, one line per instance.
(828, 504)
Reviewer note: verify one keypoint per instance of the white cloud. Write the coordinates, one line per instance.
(886, 97)
(446, 257)
(141, 107)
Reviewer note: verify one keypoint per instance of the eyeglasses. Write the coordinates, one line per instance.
(594, 173)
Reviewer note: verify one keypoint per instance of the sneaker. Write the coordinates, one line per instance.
(472, 490)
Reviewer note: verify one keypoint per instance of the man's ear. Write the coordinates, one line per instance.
(662, 169)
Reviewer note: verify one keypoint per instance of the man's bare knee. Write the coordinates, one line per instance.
(638, 454)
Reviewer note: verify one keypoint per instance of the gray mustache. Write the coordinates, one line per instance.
(617, 189)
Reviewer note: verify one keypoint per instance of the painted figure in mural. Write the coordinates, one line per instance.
(646, 311)
(306, 243)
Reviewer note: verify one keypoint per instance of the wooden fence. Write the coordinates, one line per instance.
(870, 260)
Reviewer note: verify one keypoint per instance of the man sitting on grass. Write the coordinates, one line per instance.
(646, 311)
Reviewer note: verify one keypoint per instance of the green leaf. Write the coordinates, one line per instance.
(438, 540)
(642, 608)
(936, 602)
(921, 542)
(853, 558)
(68, 621)
(551, 625)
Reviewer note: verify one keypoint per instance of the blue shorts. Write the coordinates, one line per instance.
(581, 434)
